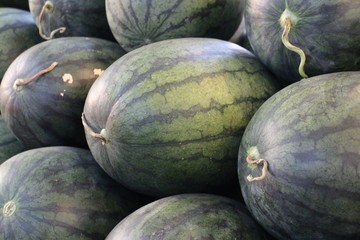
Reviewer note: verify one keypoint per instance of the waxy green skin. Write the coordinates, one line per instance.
(86, 18)
(18, 32)
(47, 112)
(309, 133)
(328, 31)
(61, 193)
(140, 22)
(189, 216)
(174, 112)
(9, 145)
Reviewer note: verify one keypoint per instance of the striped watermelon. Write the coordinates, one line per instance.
(60, 193)
(20, 4)
(85, 18)
(327, 31)
(140, 22)
(47, 111)
(167, 118)
(9, 145)
(189, 216)
(309, 134)
(18, 32)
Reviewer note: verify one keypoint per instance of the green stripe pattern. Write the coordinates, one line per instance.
(47, 112)
(309, 133)
(328, 31)
(18, 32)
(174, 112)
(138, 22)
(60, 193)
(189, 216)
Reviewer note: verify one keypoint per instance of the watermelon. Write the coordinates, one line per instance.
(60, 193)
(326, 31)
(59, 18)
(167, 117)
(18, 32)
(189, 216)
(47, 111)
(308, 134)
(20, 4)
(9, 145)
(140, 22)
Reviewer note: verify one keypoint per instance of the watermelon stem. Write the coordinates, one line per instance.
(21, 82)
(9, 209)
(250, 160)
(102, 135)
(48, 7)
(286, 22)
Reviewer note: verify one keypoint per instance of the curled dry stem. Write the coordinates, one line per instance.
(250, 160)
(48, 6)
(288, 45)
(19, 82)
(87, 128)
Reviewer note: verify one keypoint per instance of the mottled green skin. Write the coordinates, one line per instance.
(309, 133)
(189, 216)
(9, 145)
(61, 193)
(86, 18)
(47, 112)
(328, 31)
(18, 32)
(135, 23)
(174, 112)
(21, 4)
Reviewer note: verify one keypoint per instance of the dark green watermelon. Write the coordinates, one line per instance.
(328, 32)
(189, 216)
(137, 23)
(60, 193)
(86, 18)
(18, 32)
(21, 4)
(47, 111)
(167, 118)
(9, 145)
(309, 134)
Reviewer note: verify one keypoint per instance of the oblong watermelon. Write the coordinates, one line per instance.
(168, 117)
(47, 111)
(328, 32)
(9, 145)
(309, 134)
(85, 18)
(137, 23)
(60, 193)
(18, 32)
(189, 216)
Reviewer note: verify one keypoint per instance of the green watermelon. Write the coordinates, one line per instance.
(18, 32)
(140, 22)
(9, 145)
(309, 135)
(86, 18)
(60, 193)
(21, 4)
(327, 32)
(189, 216)
(167, 118)
(47, 111)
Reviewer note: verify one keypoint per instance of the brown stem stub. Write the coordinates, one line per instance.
(48, 7)
(19, 82)
(101, 135)
(250, 160)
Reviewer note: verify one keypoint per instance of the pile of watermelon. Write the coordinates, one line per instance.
(180, 119)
